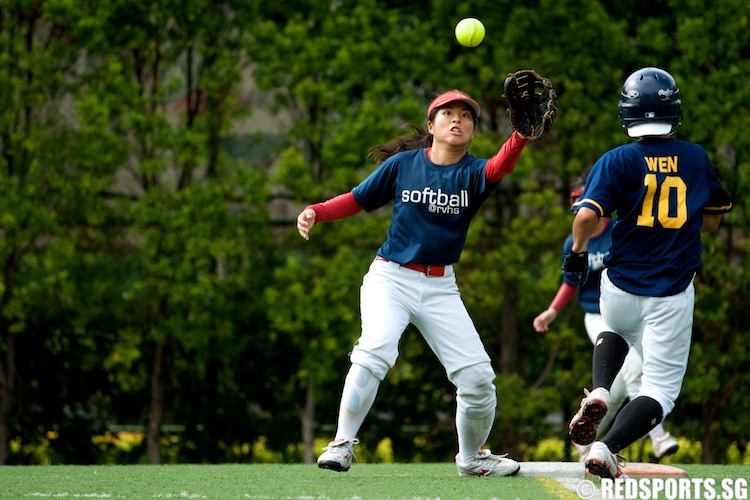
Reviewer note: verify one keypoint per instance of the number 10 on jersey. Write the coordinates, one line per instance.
(669, 197)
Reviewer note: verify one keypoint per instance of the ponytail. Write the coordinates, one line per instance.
(419, 139)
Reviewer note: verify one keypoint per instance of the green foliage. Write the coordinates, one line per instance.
(127, 447)
(690, 452)
(547, 450)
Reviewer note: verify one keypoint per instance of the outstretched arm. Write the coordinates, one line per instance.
(505, 160)
(344, 205)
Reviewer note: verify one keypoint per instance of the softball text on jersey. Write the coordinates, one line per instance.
(437, 201)
(432, 205)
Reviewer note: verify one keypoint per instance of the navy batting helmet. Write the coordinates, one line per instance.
(650, 103)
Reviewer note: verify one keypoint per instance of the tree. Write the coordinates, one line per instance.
(168, 78)
(35, 186)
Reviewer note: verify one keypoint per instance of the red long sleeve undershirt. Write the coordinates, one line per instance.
(564, 294)
(500, 165)
(339, 207)
(504, 161)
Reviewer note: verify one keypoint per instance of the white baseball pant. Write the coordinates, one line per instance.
(663, 326)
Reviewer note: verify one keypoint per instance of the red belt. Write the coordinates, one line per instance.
(428, 270)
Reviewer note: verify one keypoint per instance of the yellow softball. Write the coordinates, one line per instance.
(470, 32)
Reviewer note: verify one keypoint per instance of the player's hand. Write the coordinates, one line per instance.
(541, 322)
(575, 267)
(305, 222)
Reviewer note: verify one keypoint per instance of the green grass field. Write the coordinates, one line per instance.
(363, 481)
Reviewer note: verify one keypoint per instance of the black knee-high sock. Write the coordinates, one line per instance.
(633, 422)
(609, 354)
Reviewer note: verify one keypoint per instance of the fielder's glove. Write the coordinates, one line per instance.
(532, 103)
(575, 267)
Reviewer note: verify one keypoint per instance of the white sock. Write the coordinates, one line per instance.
(656, 433)
(360, 389)
(472, 433)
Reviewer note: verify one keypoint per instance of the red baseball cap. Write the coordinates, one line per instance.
(575, 194)
(454, 95)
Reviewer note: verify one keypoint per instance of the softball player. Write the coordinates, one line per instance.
(436, 187)
(628, 380)
(665, 194)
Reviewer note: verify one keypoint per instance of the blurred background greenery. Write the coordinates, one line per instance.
(156, 302)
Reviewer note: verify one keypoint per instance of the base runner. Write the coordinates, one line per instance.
(665, 194)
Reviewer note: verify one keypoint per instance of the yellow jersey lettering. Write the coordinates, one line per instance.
(672, 164)
(662, 164)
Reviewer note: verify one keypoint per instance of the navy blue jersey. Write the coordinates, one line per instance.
(660, 189)
(433, 205)
(588, 294)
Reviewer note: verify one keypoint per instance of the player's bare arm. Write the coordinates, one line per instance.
(710, 222)
(584, 225)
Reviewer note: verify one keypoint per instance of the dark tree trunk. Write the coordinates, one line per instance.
(508, 340)
(156, 414)
(307, 416)
(7, 394)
